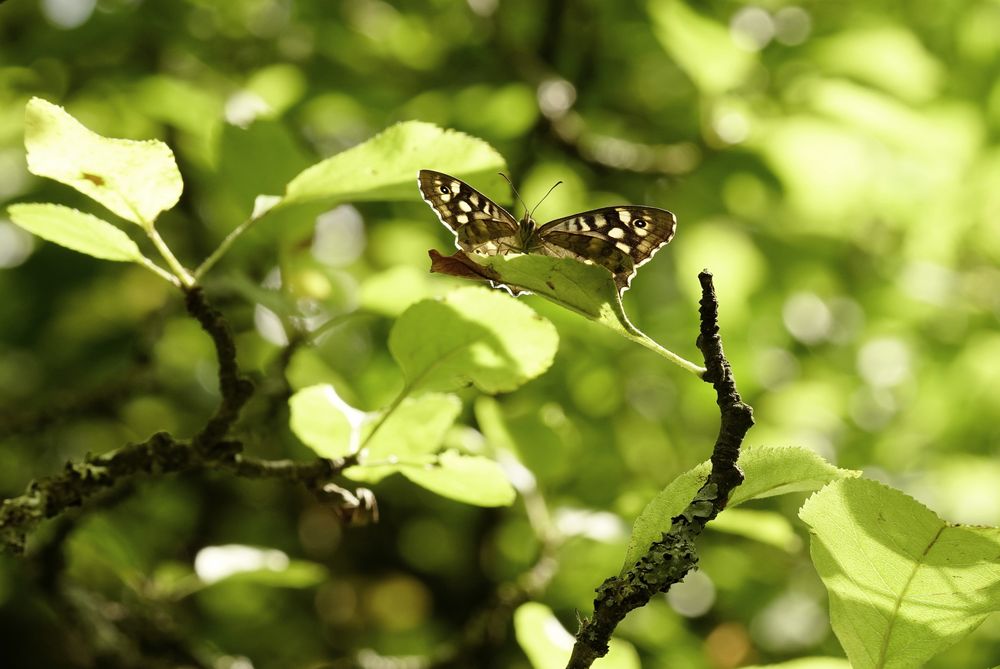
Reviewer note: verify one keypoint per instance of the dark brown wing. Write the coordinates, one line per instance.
(481, 225)
(617, 238)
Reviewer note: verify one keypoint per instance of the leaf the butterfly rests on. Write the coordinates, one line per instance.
(620, 239)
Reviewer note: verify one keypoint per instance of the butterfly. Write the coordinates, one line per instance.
(620, 239)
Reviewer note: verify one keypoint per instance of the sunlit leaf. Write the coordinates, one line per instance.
(472, 336)
(806, 663)
(588, 290)
(385, 167)
(904, 584)
(471, 479)
(76, 230)
(415, 427)
(769, 471)
(547, 643)
(134, 179)
(767, 527)
(324, 422)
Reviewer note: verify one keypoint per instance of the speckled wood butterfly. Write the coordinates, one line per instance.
(617, 238)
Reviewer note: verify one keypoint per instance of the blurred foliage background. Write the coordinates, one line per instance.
(834, 164)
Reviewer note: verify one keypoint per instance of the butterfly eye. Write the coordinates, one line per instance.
(444, 190)
(639, 223)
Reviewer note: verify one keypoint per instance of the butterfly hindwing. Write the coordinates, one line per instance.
(480, 225)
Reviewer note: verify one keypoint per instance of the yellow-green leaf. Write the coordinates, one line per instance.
(134, 179)
(76, 230)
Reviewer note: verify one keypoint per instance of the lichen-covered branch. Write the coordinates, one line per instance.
(164, 454)
(667, 561)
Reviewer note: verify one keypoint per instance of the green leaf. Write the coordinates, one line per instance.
(250, 564)
(904, 584)
(324, 422)
(769, 471)
(767, 527)
(134, 179)
(588, 290)
(385, 167)
(416, 427)
(471, 479)
(547, 643)
(473, 335)
(389, 293)
(807, 663)
(77, 231)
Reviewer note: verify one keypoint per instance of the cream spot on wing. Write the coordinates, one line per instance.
(462, 218)
(600, 221)
(582, 226)
(640, 232)
(616, 233)
(445, 197)
(623, 247)
(474, 199)
(464, 206)
(624, 216)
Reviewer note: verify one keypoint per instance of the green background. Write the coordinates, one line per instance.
(835, 165)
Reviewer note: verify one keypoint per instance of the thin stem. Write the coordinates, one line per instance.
(221, 249)
(175, 266)
(639, 338)
(159, 271)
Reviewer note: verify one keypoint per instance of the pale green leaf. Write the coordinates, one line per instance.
(76, 230)
(296, 574)
(588, 290)
(547, 643)
(473, 335)
(324, 422)
(767, 527)
(904, 584)
(385, 167)
(769, 471)
(416, 427)
(251, 564)
(471, 479)
(807, 663)
(134, 179)
(390, 292)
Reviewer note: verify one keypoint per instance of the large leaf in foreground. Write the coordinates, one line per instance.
(472, 335)
(385, 167)
(135, 179)
(769, 471)
(904, 584)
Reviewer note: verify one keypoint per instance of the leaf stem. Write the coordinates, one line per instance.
(223, 246)
(403, 394)
(187, 281)
(159, 271)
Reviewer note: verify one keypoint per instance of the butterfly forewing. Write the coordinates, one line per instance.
(617, 238)
(481, 225)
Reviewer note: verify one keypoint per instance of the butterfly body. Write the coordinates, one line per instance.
(619, 239)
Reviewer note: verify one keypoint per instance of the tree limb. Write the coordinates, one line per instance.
(667, 561)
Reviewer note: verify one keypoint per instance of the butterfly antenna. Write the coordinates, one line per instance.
(543, 198)
(516, 194)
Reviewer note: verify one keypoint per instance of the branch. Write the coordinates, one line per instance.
(160, 454)
(163, 454)
(667, 561)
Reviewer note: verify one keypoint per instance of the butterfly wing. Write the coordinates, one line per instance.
(480, 225)
(619, 239)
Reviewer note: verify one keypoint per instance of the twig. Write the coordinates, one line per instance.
(160, 454)
(667, 561)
